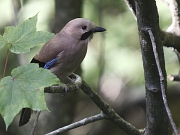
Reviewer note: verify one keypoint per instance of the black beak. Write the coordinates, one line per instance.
(98, 29)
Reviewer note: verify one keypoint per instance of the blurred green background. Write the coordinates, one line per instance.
(112, 67)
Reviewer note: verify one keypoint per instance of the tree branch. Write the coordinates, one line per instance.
(35, 122)
(174, 78)
(112, 115)
(59, 89)
(131, 5)
(65, 88)
(109, 112)
(78, 124)
(170, 40)
(175, 9)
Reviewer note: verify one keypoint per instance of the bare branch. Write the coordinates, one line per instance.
(112, 115)
(109, 112)
(59, 89)
(174, 78)
(131, 5)
(35, 122)
(65, 88)
(175, 9)
(79, 123)
(170, 40)
(162, 82)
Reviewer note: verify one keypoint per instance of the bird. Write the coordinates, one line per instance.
(64, 53)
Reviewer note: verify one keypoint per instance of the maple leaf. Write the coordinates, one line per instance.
(24, 89)
(23, 37)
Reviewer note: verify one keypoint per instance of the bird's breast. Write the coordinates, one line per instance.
(69, 59)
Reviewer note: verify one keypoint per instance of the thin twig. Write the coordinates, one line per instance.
(162, 82)
(106, 109)
(35, 122)
(174, 78)
(79, 123)
(131, 5)
(112, 115)
(5, 65)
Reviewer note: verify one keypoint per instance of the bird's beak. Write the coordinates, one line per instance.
(98, 29)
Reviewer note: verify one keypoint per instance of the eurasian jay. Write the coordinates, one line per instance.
(64, 53)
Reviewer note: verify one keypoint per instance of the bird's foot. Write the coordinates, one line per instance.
(65, 90)
(76, 81)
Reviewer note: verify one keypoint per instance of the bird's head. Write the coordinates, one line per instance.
(81, 28)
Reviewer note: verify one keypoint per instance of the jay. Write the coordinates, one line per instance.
(64, 53)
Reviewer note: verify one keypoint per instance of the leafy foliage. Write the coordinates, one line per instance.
(24, 89)
(24, 36)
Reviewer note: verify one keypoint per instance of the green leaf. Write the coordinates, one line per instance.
(24, 89)
(24, 36)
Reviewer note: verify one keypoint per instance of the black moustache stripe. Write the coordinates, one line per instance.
(86, 35)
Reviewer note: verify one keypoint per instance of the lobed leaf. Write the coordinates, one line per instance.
(24, 88)
(24, 36)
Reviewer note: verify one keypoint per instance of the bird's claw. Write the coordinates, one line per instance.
(65, 90)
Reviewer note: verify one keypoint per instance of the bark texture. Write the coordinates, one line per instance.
(147, 18)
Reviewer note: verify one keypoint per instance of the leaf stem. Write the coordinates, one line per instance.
(5, 65)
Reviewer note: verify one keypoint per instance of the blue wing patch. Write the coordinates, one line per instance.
(50, 63)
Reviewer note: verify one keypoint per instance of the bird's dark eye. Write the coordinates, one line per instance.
(84, 27)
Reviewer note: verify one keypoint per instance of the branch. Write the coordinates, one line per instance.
(175, 9)
(112, 115)
(131, 5)
(162, 82)
(170, 40)
(65, 88)
(79, 123)
(59, 89)
(174, 78)
(35, 122)
(109, 112)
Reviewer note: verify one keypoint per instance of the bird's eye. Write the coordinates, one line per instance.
(84, 27)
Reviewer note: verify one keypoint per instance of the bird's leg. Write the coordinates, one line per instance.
(65, 90)
(74, 84)
(75, 80)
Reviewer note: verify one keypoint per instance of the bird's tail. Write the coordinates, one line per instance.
(25, 116)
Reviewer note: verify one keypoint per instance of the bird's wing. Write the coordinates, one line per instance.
(48, 54)
(52, 48)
